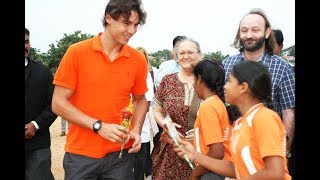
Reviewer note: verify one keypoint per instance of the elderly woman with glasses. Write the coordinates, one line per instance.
(176, 97)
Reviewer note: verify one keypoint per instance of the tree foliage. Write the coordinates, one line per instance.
(37, 56)
(54, 55)
(215, 56)
(34, 54)
(158, 57)
(292, 52)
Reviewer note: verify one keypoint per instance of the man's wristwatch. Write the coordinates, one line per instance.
(96, 126)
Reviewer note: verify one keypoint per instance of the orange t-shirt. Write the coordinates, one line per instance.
(212, 126)
(259, 133)
(101, 90)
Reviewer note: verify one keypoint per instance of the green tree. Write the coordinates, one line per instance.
(292, 51)
(215, 55)
(155, 61)
(158, 57)
(35, 54)
(54, 55)
(163, 54)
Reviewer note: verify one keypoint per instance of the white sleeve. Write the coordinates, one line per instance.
(149, 94)
(35, 125)
(161, 72)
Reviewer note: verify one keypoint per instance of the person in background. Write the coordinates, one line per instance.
(143, 164)
(175, 97)
(212, 129)
(38, 117)
(258, 139)
(94, 83)
(167, 67)
(291, 155)
(279, 41)
(256, 42)
(64, 127)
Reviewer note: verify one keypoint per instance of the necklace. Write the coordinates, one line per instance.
(188, 88)
(189, 96)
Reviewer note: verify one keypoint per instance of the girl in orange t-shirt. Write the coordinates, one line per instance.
(212, 129)
(258, 142)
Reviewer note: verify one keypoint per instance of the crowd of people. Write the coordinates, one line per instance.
(235, 118)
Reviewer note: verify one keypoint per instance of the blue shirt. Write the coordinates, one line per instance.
(282, 76)
(166, 67)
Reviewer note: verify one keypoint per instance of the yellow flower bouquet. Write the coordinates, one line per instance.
(126, 114)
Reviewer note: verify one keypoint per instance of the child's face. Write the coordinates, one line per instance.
(231, 90)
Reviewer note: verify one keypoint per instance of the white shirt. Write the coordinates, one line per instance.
(155, 71)
(166, 67)
(145, 132)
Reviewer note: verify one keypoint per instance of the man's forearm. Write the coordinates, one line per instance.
(69, 112)
(288, 118)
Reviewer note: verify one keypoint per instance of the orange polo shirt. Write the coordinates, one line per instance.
(101, 90)
(212, 126)
(258, 134)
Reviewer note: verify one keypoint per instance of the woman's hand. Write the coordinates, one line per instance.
(166, 136)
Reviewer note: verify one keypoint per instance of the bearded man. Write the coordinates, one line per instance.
(256, 42)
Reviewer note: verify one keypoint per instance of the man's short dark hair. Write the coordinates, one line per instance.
(177, 39)
(117, 8)
(278, 35)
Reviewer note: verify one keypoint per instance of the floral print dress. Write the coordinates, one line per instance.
(175, 97)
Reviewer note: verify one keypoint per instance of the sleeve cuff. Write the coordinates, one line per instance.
(35, 124)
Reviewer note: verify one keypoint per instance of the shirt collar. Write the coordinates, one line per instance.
(96, 45)
(261, 58)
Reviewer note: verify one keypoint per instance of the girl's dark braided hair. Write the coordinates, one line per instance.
(213, 75)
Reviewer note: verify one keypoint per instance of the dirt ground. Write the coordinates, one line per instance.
(57, 149)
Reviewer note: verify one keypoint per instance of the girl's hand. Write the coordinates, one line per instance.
(187, 149)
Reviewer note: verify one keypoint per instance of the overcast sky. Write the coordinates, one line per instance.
(212, 23)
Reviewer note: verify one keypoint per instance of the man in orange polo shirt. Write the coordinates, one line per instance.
(93, 84)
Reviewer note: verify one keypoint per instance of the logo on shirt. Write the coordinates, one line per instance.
(225, 133)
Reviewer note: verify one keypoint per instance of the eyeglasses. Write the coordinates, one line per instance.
(189, 53)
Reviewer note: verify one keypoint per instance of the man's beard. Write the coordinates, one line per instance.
(253, 47)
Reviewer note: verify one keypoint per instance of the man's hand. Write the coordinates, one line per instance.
(113, 132)
(29, 131)
(136, 146)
